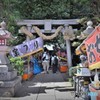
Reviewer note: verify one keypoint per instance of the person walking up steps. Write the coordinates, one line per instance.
(45, 61)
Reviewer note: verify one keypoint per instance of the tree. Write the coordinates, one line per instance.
(12, 10)
(52, 9)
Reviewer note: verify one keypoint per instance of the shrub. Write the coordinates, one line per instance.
(18, 64)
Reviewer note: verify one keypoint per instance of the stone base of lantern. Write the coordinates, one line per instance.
(9, 88)
(9, 81)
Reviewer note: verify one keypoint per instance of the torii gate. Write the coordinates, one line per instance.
(48, 27)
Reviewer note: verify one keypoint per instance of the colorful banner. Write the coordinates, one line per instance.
(27, 47)
(92, 44)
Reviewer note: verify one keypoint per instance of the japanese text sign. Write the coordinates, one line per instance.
(27, 47)
(92, 44)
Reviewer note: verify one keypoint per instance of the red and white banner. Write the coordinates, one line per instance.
(92, 44)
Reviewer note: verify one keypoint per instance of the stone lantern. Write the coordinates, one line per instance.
(89, 28)
(87, 31)
(4, 36)
(8, 76)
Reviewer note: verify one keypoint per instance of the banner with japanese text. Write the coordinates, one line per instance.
(92, 44)
(26, 47)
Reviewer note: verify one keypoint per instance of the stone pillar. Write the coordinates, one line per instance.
(68, 35)
(69, 56)
(29, 29)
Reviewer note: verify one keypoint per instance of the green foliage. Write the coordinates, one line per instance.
(9, 13)
(18, 64)
(76, 44)
(16, 41)
(12, 10)
(44, 9)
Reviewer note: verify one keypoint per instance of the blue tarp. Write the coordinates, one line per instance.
(36, 68)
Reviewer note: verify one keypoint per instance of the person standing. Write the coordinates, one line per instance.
(45, 61)
(54, 63)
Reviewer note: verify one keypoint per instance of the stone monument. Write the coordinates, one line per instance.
(9, 81)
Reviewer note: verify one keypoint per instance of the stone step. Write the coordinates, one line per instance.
(8, 75)
(3, 68)
(11, 83)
